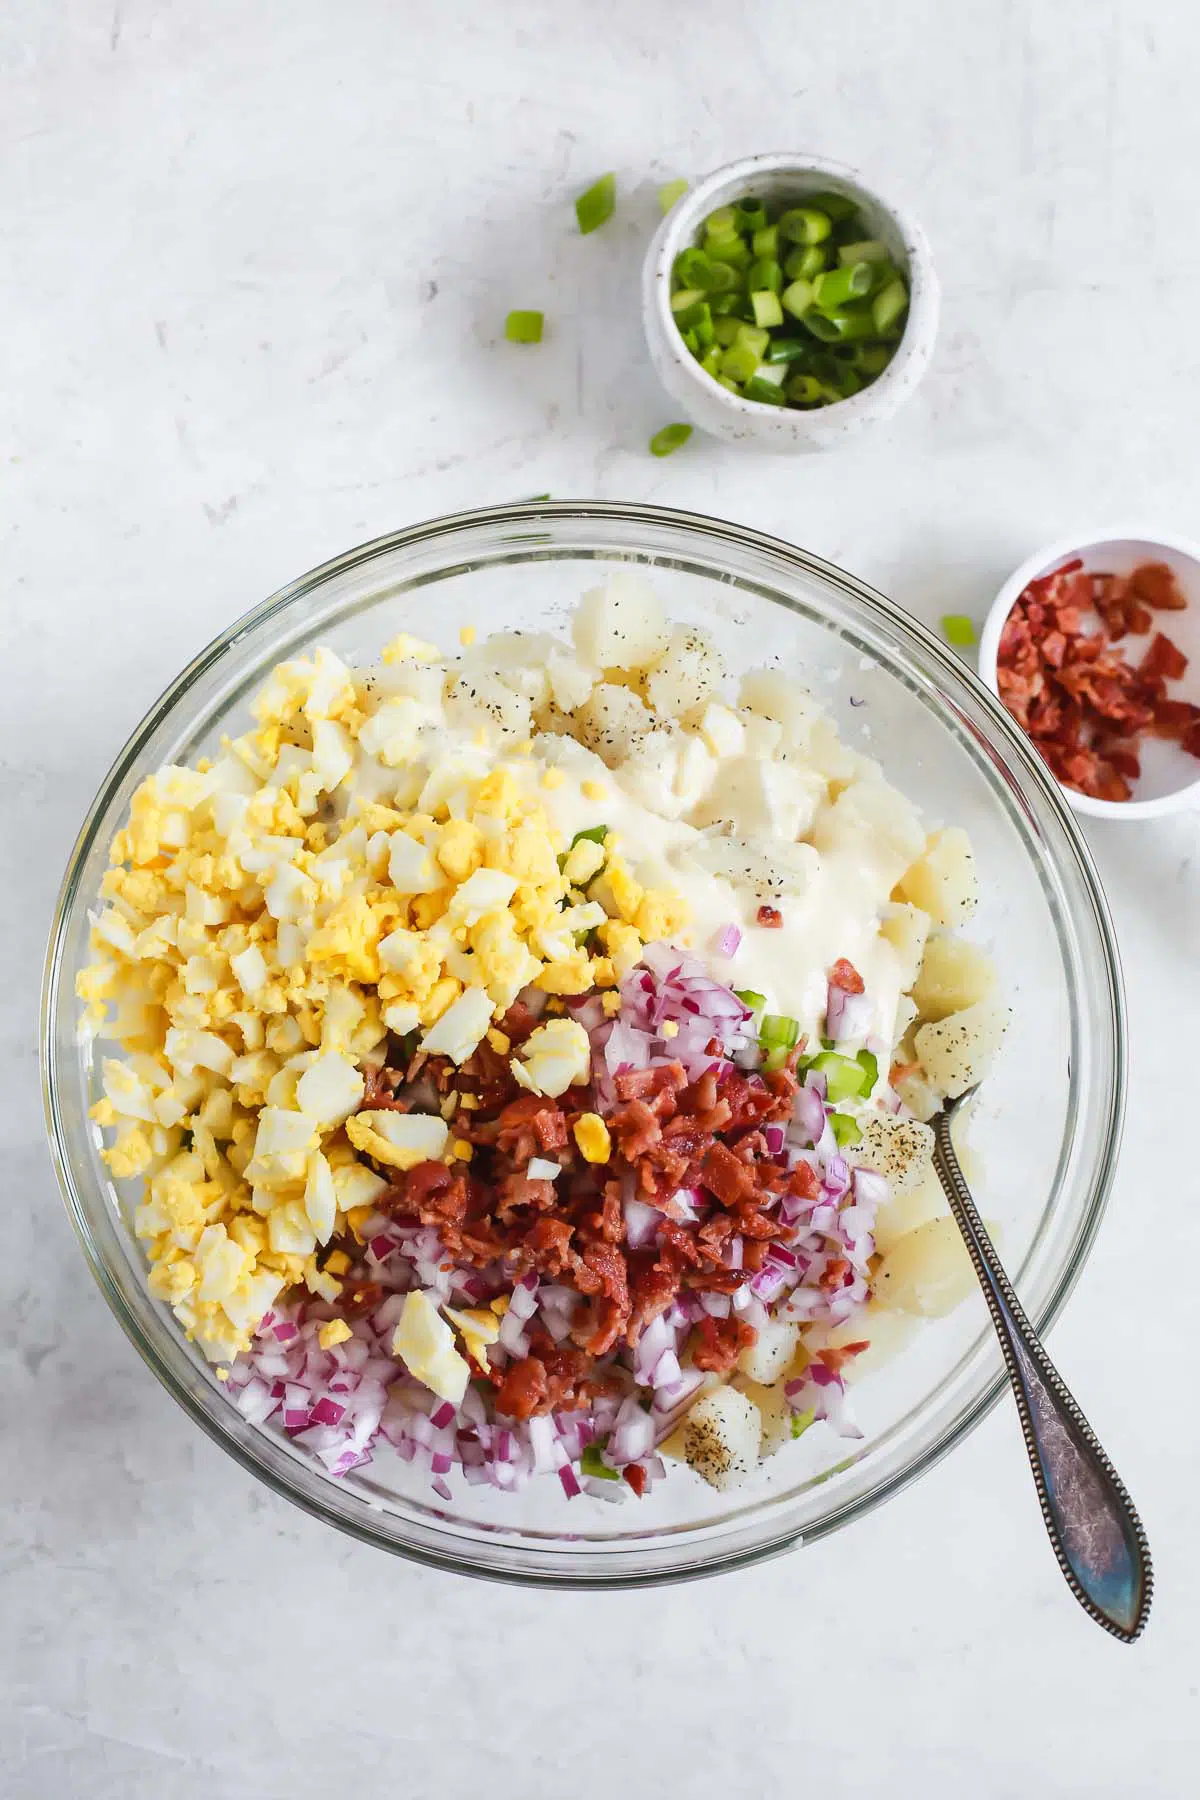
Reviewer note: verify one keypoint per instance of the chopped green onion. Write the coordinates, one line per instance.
(750, 998)
(765, 273)
(821, 326)
(888, 305)
(797, 297)
(595, 834)
(851, 324)
(786, 350)
(596, 206)
(959, 630)
(837, 206)
(692, 341)
(837, 286)
(806, 264)
(767, 310)
(725, 331)
(735, 251)
(766, 393)
(754, 338)
(751, 215)
(846, 1129)
(726, 306)
(590, 1463)
(721, 224)
(728, 384)
(739, 362)
(766, 242)
(686, 298)
(670, 192)
(805, 225)
(777, 1030)
(805, 390)
(669, 438)
(873, 359)
(691, 267)
(688, 317)
(524, 327)
(710, 362)
(868, 250)
(720, 277)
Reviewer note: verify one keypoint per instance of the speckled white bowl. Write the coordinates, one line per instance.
(1170, 779)
(787, 175)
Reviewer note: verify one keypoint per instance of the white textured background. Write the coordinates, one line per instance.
(255, 256)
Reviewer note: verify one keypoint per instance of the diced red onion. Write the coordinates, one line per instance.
(846, 1015)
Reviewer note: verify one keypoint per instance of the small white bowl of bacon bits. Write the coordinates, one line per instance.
(1093, 646)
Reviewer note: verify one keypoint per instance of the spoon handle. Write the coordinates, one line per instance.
(1097, 1536)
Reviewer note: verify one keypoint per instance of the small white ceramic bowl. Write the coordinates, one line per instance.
(776, 177)
(1170, 778)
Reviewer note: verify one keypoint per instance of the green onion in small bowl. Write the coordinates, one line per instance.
(787, 303)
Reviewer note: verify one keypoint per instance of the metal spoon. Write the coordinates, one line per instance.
(1096, 1533)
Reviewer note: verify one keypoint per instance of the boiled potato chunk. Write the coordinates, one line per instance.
(721, 1437)
(954, 974)
(621, 625)
(872, 815)
(770, 694)
(957, 1051)
(901, 1149)
(942, 881)
(683, 680)
(612, 722)
(885, 1333)
(773, 1410)
(919, 1094)
(903, 1212)
(906, 929)
(480, 698)
(766, 1360)
(927, 1271)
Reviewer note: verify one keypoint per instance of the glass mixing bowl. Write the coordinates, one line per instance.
(1046, 1130)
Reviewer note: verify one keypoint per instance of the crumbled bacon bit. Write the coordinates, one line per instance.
(844, 975)
(716, 1344)
(770, 916)
(1081, 701)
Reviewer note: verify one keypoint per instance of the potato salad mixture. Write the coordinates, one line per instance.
(523, 1056)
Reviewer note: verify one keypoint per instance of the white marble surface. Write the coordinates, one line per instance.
(254, 258)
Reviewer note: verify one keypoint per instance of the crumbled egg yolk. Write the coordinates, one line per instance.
(250, 957)
(592, 1136)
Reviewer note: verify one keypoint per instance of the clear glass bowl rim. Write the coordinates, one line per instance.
(704, 530)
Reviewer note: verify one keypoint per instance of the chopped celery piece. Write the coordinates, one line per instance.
(524, 327)
(669, 438)
(868, 1062)
(767, 310)
(805, 225)
(845, 1079)
(775, 1060)
(596, 205)
(777, 1029)
(800, 1422)
(958, 630)
(846, 1129)
(590, 1463)
(670, 192)
(888, 305)
(749, 997)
